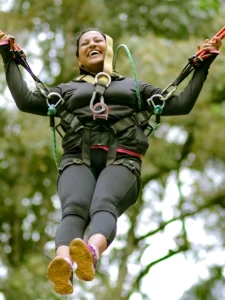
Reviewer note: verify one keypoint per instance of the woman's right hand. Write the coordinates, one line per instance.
(4, 38)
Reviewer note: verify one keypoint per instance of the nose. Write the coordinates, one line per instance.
(92, 43)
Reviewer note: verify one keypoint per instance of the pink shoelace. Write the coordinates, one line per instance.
(94, 255)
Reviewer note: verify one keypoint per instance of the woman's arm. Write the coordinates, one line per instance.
(25, 99)
(183, 103)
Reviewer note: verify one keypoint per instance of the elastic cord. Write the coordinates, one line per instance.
(133, 69)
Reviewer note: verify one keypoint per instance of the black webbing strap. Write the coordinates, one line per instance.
(184, 73)
(71, 120)
(137, 119)
(86, 149)
(111, 156)
(100, 89)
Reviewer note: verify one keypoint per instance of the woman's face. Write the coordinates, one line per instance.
(91, 51)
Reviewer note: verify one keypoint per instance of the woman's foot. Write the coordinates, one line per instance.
(60, 274)
(85, 257)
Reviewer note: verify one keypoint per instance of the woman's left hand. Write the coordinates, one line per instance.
(212, 45)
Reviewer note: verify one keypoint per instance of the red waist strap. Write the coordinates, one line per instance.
(120, 150)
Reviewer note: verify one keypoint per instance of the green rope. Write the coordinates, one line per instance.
(52, 113)
(55, 147)
(133, 69)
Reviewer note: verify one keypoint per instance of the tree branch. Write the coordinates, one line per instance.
(215, 199)
(136, 283)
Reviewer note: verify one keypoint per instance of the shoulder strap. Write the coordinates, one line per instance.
(87, 78)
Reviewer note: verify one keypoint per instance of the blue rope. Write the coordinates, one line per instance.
(133, 69)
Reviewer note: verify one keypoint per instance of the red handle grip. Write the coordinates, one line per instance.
(220, 34)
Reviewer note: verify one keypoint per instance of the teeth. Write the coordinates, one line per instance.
(93, 52)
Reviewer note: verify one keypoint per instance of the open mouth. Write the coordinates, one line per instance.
(93, 53)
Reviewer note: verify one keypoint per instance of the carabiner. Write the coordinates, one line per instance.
(159, 96)
(44, 91)
(92, 106)
(54, 94)
(169, 93)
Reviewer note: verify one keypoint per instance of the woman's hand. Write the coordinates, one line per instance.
(4, 38)
(212, 45)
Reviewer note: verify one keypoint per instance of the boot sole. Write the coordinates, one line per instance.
(83, 258)
(59, 273)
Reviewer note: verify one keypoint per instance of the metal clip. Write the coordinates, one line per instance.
(159, 96)
(169, 93)
(44, 90)
(105, 75)
(100, 109)
(54, 94)
(99, 113)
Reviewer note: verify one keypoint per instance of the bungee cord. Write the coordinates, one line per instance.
(133, 69)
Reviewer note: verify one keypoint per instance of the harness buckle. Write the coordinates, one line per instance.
(152, 126)
(102, 113)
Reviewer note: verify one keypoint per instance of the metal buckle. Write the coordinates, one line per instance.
(98, 114)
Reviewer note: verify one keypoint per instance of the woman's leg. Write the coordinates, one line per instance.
(116, 189)
(75, 189)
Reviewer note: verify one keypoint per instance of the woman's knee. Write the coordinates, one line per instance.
(74, 206)
(75, 189)
(104, 203)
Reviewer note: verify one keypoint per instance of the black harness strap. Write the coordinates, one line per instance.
(71, 120)
(74, 123)
(86, 150)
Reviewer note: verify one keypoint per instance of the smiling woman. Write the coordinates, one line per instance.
(91, 51)
(104, 142)
(94, 51)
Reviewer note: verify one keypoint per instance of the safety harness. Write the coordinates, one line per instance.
(100, 110)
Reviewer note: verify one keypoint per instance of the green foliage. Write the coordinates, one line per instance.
(27, 179)
(187, 150)
(170, 19)
(208, 289)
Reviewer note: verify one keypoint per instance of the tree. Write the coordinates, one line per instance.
(187, 151)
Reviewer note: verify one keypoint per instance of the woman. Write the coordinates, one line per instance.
(103, 147)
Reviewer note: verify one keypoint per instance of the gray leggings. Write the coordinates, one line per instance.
(94, 197)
